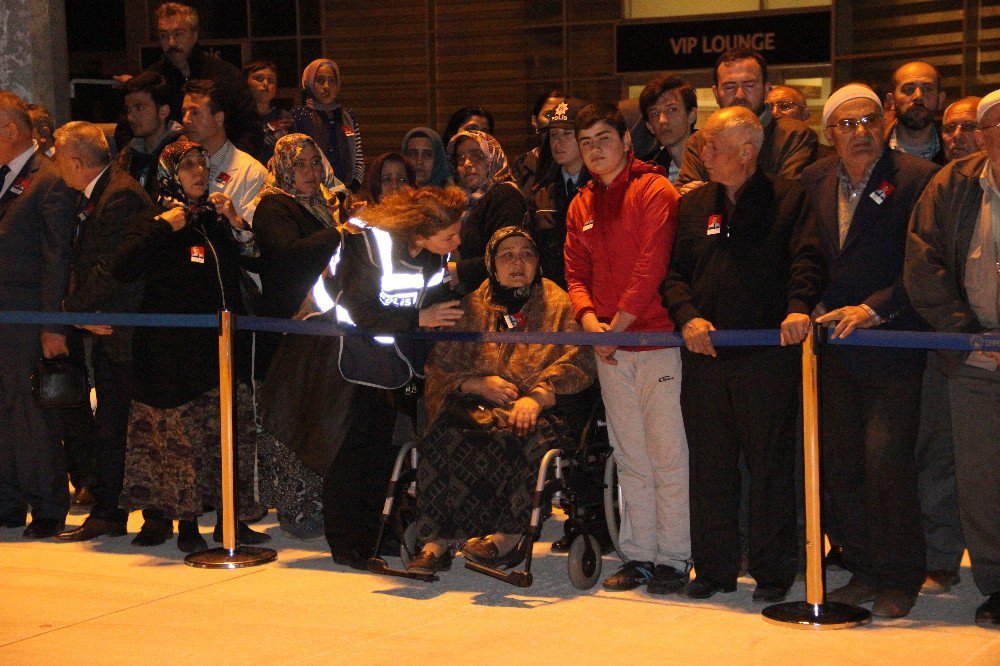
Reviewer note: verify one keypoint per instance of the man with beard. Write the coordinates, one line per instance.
(958, 127)
(740, 77)
(916, 98)
(870, 406)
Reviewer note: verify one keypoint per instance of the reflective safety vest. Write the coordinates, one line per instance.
(380, 361)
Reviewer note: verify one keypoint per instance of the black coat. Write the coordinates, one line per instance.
(117, 200)
(768, 267)
(35, 228)
(503, 205)
(191, 271)
(869, 268)
(547, 208)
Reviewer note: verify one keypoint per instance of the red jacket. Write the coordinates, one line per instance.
(618, 242)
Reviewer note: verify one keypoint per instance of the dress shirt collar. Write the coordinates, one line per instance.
(16, 165)
(90, 188)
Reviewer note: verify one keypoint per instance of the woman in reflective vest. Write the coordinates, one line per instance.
(388, 278)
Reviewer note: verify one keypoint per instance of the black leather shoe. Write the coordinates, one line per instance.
(352, 559)
(43, 528)
(989, 612)
(484, 551)
(835, 558)
(154, 532)
(430, 563)
(561, 545)
(667, 580)
(702, 588)
(189, 539)
(770, 593)
(631, 575)
(11, 522)
(93, 528)
(244, 535)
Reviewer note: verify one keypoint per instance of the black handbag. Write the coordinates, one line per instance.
(60, 383)
(475, 412)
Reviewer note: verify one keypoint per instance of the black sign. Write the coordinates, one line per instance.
(783, 39)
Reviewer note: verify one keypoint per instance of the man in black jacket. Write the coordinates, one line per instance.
(36, 209)
(870, 396)
(746, 256)
(147, 109)
(109, 200)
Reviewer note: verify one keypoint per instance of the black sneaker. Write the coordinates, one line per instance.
(666, 580)
(633, 574)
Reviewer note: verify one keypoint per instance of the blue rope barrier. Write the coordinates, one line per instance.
(111, 319)
(743, 338)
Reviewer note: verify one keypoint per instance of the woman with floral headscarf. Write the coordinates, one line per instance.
(188, 257)
(297, 225)
(477, 478)
(494, 201)
(333, 126)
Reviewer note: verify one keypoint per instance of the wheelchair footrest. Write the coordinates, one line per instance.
(517, 578)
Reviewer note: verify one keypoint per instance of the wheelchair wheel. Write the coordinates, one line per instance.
(612, 503)
(409, 546)
(584, 569)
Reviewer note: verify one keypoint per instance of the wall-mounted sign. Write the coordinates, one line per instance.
(783, 39)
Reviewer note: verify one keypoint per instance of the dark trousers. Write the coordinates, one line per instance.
(32, 464)
(975, 409)
(354, 487)
(79, 431)
(744, 404)
(114, 383)
(868, 427)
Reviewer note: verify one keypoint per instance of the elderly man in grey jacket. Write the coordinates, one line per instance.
(953, 278)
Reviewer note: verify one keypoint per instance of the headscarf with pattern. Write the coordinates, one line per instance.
(497, 170)
(309, 78)
(172, 193)
(510, 298)
(323, 203)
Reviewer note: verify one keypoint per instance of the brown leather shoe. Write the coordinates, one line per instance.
(854, 593)
(93, 528)
(989, 611)
(893, 603)
(940, 581)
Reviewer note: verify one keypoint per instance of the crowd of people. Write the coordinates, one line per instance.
(218, 199)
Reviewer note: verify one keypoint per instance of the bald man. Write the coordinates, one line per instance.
(787, 102)
(916, 98)
(958, 128)
(746, 256)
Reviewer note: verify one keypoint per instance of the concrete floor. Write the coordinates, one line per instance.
(107, 602)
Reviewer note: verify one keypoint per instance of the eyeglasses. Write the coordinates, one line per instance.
(967, 127)
(785, 105)
(848, 125)
(983, 128)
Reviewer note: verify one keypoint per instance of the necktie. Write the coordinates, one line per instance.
(4, 170)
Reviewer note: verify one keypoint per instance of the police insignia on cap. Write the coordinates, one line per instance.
(561, 112)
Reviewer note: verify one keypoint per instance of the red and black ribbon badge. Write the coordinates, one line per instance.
(515, 322)
(883, 192)
(19, 185)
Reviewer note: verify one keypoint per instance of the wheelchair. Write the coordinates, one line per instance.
(581, 482)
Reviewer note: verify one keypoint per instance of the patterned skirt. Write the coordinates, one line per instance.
(476, 482)
(173, 459)
(286, 483)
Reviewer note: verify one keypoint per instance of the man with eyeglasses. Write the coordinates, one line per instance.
(958, 127)
(786, 101)
(740, 79)
(870, 402)
(916, 98)
(953, 277)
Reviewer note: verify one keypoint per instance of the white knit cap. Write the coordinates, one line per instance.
(987, 103)
(848, 92)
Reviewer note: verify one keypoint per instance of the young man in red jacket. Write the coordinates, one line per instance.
(619, 231)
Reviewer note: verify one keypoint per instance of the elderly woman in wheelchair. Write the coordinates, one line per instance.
(495, 409)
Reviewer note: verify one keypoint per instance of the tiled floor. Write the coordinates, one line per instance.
(107, 602)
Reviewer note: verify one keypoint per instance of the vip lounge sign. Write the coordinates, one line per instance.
(783, 39)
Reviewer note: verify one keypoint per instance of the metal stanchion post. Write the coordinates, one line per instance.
(231, 555)
(813, 613)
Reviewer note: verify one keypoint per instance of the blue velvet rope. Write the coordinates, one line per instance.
(744, 338)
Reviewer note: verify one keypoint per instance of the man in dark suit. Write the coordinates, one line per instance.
(746, 256)
(109, 200)
(36, 210)
(869, 396)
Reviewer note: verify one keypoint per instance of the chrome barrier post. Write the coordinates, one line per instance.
(813, 613)
(231, 555)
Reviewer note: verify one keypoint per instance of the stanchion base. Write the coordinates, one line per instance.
(223, 558)
(804, 615)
